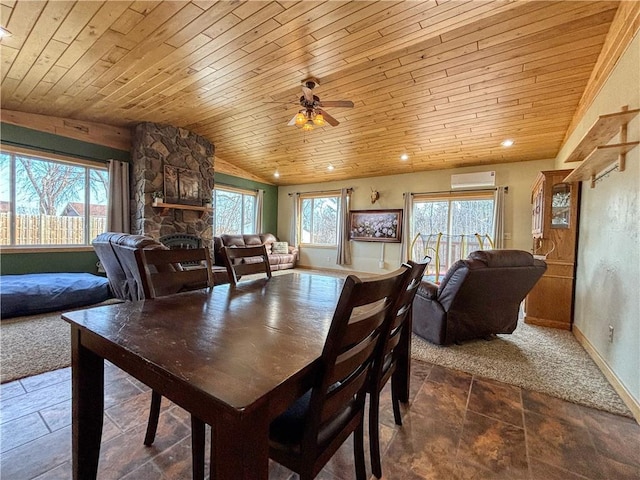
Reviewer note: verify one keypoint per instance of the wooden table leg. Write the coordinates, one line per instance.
(240, 446)
(87, 406)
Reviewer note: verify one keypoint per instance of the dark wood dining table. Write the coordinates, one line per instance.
(235, 357)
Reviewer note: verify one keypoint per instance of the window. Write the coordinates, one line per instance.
(449, 227)
(235, 211)
(319, 219)
(44, 202)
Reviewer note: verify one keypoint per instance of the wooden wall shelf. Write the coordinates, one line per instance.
(599, 159)
(600, 133)
(178, 206)
(594, 152)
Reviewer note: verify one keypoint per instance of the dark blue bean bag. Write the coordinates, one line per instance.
(34, 293)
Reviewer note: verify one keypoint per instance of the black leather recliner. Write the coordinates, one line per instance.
(478, 297)
(124, 279)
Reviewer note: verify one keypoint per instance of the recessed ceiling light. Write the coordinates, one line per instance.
(276, 174)
(507, 143)
(4, 32)
(330, 168)
(404, 157)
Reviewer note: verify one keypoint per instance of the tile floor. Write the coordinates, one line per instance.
(456, 427)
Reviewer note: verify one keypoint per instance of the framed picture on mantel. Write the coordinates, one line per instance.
(181, 186)
(376, 225)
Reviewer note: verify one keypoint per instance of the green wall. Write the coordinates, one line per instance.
(15, 263)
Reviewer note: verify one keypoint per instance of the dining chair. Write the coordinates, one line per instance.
(164, 274)
(244, 261)
(387, 358)
(305, 437)
(174, 271)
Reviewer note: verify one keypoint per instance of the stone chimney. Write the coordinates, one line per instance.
(154, 147)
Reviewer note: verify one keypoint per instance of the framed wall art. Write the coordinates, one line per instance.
(181, 186)
(375, 225)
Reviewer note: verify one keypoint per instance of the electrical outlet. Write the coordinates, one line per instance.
(507, 235)
(610, 333)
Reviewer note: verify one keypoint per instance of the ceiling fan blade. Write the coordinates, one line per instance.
(292, 122)
(337, 103)
(329, 119)
(308, 94)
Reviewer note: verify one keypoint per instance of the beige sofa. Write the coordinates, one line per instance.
(277, 261)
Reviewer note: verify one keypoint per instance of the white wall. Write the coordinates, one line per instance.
(518, 177)
(608, 262)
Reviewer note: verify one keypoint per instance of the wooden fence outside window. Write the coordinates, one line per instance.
(49, 229)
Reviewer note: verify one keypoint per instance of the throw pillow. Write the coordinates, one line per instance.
(280, 247)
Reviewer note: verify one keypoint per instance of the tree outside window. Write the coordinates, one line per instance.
(319, 220)
(50, 202)
(234, 211)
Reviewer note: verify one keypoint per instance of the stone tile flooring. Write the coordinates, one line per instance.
(456, 426)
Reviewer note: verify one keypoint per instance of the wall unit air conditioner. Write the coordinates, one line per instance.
(473, 180)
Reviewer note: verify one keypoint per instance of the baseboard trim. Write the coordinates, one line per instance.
(627, 398)
(343, 271)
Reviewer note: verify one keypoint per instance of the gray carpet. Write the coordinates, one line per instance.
(32, 345)
(541, 359)
(536, 358)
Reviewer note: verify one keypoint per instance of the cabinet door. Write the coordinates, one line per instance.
(561, 205)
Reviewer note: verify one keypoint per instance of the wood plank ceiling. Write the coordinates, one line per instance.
(442, 81)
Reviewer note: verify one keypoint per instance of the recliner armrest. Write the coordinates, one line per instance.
(428, 290)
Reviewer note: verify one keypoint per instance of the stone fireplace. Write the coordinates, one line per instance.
(154, 147)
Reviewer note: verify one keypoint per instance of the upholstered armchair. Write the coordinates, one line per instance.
(478, 297)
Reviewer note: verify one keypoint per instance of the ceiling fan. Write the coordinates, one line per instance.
(312, 113)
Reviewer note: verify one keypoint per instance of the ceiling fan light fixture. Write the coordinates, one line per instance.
(301, 118)
(308, 126)
(318, 119)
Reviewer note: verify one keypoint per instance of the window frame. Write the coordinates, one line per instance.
(450, 197)
(312, 196)
(87, 164)
(242, 191)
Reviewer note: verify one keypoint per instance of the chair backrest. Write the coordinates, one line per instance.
(341, 385)
(245, 261)
(399, 312)
(496, 276)
(165, 274)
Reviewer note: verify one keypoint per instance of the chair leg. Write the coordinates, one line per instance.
(374, 433)
(197, 448)
(154, 414)
(396, 406)
(358, 451)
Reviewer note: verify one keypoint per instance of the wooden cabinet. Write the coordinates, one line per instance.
(554, 231)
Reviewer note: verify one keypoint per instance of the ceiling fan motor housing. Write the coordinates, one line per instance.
(306, 104)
